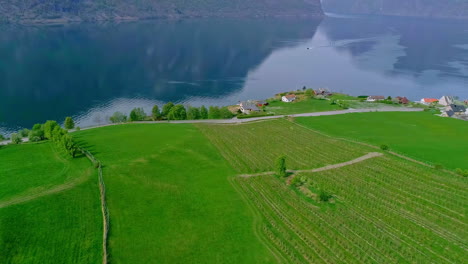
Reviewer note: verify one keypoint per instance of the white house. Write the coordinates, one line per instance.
(248, 107)
(374, 98)
(446, 100)
(428, 101)
(289, 98)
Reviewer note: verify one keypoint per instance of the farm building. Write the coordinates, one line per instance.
(323, 91)
(428, 101)
(289, 98)
(446, 100)
(261, 103)
(374, 98)
(248, 107)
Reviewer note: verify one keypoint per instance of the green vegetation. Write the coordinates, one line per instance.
(118, 117)
(170, 197)
(305, 106)
(49, 207)
(281, 167)
(137, 114)
(419, 135)
(256, 146)
(69, 123)
(16, 138)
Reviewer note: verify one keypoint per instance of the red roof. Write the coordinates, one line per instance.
(289, 96)
(430, 100)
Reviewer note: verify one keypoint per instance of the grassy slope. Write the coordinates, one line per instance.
(64, 227)
(419, 135)
(169, 197)
(306, 106)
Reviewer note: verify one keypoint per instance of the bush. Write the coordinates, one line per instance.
(137, 114)
(214, 112)
(461, 172)
(69, 123)
(16, 138)
(24, 132)
(438, 166)
(244, 116)
(225, 113)
(281, 167)
(49, 126)
(324, 196)
(37, 133)
(193, 113)
(203, 112)
(118, 117)
(78, 128)
(2, 138)
(384, 147)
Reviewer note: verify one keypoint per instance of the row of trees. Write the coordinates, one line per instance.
(50, 130)
(171, 111)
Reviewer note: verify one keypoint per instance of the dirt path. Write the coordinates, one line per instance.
(56, 189)
(329, 167)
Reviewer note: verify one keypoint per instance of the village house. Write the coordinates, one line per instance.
(323, 92)
(456, 109)
(428, 101)
(289, 98)
(402, 100)
(374, 98)
(248, 107)
(446, 100)
(261, 103)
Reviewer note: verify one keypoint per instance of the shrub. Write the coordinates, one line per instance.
(78, 128)
(2, 138)
(438, 166)
(225, 113)
(461, 172)
(384, 147)
(281, 167)
(137, 114)
(37, 133)
(49, 126)
(24, 132)
(118, 117)
(324, 196)
(214, 112)
(193, 113)
(16, 138)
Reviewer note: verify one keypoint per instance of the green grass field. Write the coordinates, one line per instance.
(170, 197)
(383, 210)
(305, 106)
(419, 135)
(49, 207)
(185, 193)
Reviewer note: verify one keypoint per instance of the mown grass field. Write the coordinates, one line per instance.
(383, 210)
(49, 207)
(419, 135)
(305, 106)
(170, 198)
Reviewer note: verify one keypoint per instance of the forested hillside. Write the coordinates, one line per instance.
(94, 10)
(419, 8)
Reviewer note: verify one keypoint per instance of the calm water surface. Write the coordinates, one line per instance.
(90, 71)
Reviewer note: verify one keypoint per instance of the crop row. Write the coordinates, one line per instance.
(255, 147)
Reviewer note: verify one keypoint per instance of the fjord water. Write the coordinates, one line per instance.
(89, 71)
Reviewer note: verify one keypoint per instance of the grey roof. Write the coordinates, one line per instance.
(250, 106)
(456, 108)
(449, 113)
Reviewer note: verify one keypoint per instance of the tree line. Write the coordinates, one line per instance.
(171, 111)
(50, 130)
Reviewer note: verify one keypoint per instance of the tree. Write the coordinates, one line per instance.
(309, 93)
(384, 147)
(193, 113)
(214, 113)
(225, 113)
(167, 108)
(155, 113)
(118, 117)
(37, 133)
(177, 112)
(281, 166)
(2, 138)
(49, 127)
(137, 114)
(324, 196)
(69, 145)
(203, 112)
(58, 133)
(24, 132)
(69, 123)
(16, 138)
(304, 88)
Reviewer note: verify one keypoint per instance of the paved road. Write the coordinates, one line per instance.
(236, 120)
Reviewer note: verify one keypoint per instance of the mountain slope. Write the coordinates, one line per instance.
(418, 8)
(94, 10)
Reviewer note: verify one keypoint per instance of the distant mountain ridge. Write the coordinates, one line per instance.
(99, 10)
(417, 8)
